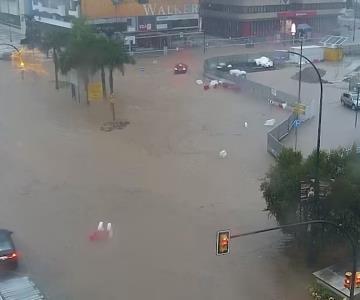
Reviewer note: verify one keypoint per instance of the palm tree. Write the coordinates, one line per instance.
(111, 55)
(116, 58)
(55, 40)
(81, 53)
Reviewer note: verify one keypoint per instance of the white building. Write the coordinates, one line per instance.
(55, 12)
(13, 14)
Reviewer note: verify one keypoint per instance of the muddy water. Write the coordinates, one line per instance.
(159, 181)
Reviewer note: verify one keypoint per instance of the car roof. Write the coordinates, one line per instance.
(5, 232)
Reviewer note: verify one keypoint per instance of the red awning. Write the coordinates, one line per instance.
(297, 13)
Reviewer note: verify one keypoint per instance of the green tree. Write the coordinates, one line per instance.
(116, 59)
(340, 175)
(88, 52)
(55, 40)
(81, 53)
(281, 185)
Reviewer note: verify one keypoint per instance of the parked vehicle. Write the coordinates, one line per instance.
(8, 255)
(350, 99)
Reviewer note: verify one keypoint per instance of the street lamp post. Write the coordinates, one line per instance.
(354, 25)
(317, 166)
(299, 89)
(357, 103)
(204, 42)
(348, 236)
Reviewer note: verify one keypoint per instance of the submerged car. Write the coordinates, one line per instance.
(351, 100)
(8, 254)
(180, 68)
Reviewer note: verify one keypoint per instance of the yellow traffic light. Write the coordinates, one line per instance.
(223, 242)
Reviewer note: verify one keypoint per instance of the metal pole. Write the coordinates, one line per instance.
(317, 166)
(113, 111)
(10, 33)
(204, 42)
(354, 26)
(299, 90)
(339, 227)
(357, 106)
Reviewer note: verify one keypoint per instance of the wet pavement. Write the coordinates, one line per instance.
(159, 181)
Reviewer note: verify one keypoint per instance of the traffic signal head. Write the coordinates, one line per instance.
(347, 280)
(223, 242)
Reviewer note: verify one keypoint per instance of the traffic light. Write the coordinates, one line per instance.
(223, 242)
(347, 280)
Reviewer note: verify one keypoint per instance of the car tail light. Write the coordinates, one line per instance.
(11, 256)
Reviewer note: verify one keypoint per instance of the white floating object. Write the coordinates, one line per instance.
(101, 226)
(213, 83)
(270, 122)
(245, 124)
(237, 72)
(284, 105)
(222, 154)
(109, 230)
(222, 64)
(199, 82)
(264, 62)
(229, 66)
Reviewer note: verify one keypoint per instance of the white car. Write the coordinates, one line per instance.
(264, 62)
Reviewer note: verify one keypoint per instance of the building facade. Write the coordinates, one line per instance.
(58, 13)
(13, 14)
(243, 18)
(145, 23)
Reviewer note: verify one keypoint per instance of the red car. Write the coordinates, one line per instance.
(8, 255)
(180, 68)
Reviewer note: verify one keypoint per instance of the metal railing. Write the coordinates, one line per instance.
(259, 91)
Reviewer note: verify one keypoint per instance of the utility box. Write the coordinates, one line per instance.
(333, 54)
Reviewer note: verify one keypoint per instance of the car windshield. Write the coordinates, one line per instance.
(5, 244)
(354, 97)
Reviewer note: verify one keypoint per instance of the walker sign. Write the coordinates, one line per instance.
(95, 9)
(162, 10)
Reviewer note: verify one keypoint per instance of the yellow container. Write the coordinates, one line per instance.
(333, 54)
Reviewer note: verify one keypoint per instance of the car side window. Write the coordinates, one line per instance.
(346, 95)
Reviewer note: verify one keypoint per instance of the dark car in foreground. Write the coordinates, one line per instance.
(8, 254)
(350, 99)
(180, 68)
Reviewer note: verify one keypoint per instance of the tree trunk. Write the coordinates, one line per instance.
(56, 64)
(86, 82)
(111, 81)
(103, 82)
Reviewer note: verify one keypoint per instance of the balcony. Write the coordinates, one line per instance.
(60, 10)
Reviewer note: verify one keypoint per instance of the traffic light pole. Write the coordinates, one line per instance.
(350, 239)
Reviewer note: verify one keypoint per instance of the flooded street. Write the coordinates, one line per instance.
(159, 181)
